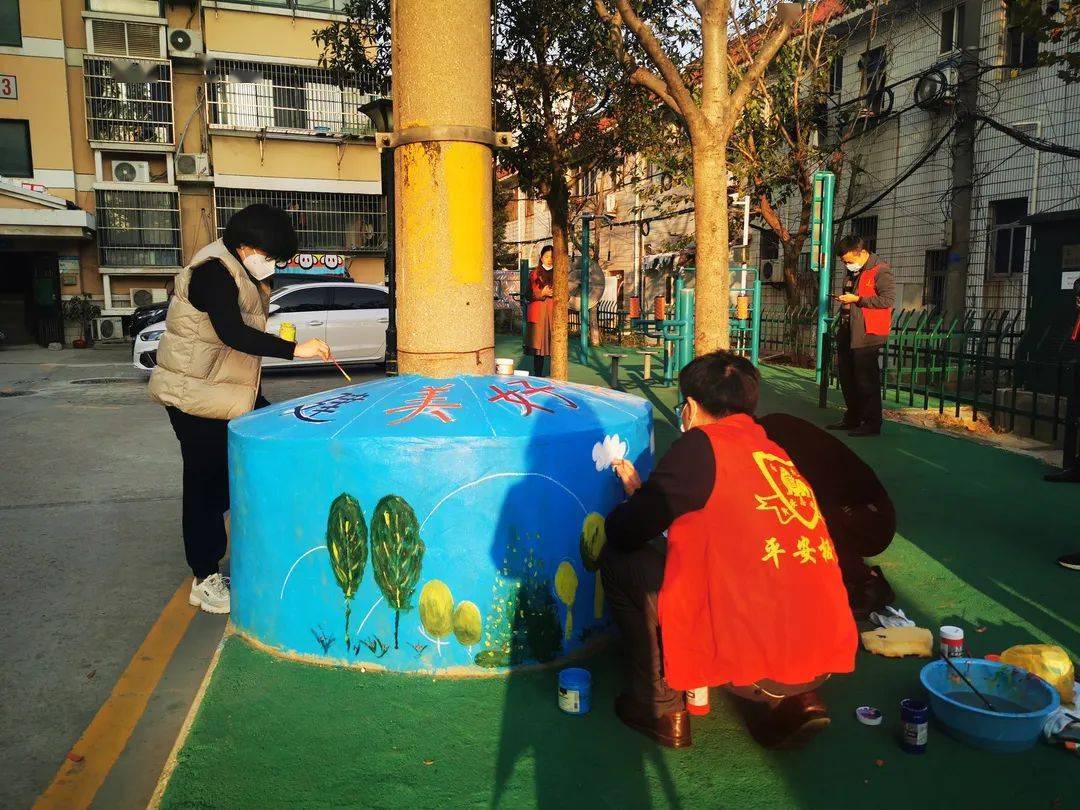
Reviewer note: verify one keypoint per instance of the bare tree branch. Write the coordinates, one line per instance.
(635, 73)
(757, 69)
(674, 83)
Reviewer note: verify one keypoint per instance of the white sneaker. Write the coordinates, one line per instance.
(211, 595)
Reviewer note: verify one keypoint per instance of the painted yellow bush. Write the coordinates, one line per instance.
(467, 623)
(566, 583)
(437, 609)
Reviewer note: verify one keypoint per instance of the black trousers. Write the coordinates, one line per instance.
(540, 362)
(632, 583)
(860, 380)
(204, 448)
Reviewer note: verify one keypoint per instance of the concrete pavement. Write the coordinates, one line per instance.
(91, 549)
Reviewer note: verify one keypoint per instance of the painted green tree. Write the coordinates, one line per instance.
(524, 620)
(346, 540)
(397, 554)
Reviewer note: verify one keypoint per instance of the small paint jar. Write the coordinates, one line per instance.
(287, 331)
(914, 725)
(697, 700)
(951, 641)
(575, 690)
(504, 366)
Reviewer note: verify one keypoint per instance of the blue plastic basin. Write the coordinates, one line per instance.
(1024, 702)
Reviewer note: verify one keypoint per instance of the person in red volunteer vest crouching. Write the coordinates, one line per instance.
(748, 594)
(865, 318)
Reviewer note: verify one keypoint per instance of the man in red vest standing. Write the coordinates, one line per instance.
(865, 318)
(747, 595)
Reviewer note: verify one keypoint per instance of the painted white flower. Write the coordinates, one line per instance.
(610, 450)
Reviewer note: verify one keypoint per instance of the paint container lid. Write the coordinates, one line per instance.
(520, 373)
(574, 678)
(869, 715)
(952, 633)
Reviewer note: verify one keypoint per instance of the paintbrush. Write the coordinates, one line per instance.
(971, 686)
(344, 373)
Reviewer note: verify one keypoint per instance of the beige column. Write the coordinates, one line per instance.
(442, 98)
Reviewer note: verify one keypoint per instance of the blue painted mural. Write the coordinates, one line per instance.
(429, 525)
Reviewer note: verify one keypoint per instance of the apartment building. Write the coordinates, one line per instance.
(130, 130)
(897, 188)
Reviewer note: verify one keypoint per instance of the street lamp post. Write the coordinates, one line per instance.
(381, 113)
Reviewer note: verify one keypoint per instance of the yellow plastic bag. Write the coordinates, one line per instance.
(1050, 663)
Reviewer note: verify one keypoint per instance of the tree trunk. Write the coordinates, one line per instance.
(594, 326)
(791, 272)
(558, 201)
(711, 233)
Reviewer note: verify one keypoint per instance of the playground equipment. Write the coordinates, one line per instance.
(676, 333)
(821, 257)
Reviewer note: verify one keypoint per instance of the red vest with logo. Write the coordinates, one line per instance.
(752, 586)
(878, 321)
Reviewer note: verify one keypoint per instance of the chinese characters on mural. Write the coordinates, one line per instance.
(325, 407)
(520, 393)
(430, 401)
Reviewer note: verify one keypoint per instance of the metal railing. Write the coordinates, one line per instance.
(288, 98)
(329, 6)
(324, 222)
(789, 334)
(121, 111)
(611, 318)
(975, 361)
(138, 228)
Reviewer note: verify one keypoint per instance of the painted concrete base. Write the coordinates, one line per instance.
(430, 525)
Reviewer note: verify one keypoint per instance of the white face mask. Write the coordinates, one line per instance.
(261, 267)
(853, 267)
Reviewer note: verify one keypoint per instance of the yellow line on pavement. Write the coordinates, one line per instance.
(84, 771)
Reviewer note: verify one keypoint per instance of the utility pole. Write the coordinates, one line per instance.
(963, 161)
(442, 143)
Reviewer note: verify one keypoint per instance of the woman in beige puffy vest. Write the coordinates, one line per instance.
(208, 371)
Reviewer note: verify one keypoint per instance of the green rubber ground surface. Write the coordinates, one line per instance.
(977, 538)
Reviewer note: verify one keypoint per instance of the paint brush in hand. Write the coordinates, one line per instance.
(344, 373)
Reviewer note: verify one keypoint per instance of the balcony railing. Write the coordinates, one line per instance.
(288, 98)
(138, 228)
(128, 101)
(324, 221)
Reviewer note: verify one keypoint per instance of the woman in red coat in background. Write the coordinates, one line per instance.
(539, 313)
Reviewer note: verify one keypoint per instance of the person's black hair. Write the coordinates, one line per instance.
(264, 227)
(849, 243)
(546, 249)
(722, 383)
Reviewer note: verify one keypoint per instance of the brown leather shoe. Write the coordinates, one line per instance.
(790, 722)
(671, 729)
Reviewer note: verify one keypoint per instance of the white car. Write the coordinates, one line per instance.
(350, 317)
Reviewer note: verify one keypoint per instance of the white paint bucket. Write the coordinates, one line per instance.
(504, 366)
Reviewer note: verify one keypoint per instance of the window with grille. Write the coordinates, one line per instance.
(1021, 45)
(138, 228)
(936, 271)
(836, 74)
(149, 8)
(324, 222)
(866, 227)
(1008, 238)
(952, 28)
(253, 95)
(873, 64)
(128, 101)
(770, 245)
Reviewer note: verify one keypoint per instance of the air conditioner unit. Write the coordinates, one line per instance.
(192, 166)
(108, 329)
(184, 43)
(611, 202)
(144, 296)
(131, 171)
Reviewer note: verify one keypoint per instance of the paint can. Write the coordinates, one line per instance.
(287, 331)
(520, 372)
(952, 641)
(575, 690)
(697, 700)
(504, 366)
(914, 725)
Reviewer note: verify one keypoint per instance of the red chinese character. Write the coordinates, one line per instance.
(522, 397)
(430, 402)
